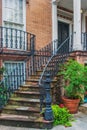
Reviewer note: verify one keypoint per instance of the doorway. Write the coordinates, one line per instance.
(63, 34)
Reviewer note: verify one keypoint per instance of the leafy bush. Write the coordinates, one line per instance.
(3, 89)
(75, 76)
(3, 96)
(61, 116)
(2, 70)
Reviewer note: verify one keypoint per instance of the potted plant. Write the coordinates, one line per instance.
(75, 84)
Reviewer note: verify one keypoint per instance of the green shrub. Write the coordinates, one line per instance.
(61, 116)
(2, 70)
(3, 89)
(3, 95)
(75, 74)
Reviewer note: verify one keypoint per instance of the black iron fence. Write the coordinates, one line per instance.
(11, 38)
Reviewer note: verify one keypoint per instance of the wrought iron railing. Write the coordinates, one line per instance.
(84, 41)
(11, 38)
(11, 81)
(14, 78)
(38, 59)
(51, 69)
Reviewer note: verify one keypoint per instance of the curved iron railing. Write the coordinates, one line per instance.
(52, 66)
(11, 38)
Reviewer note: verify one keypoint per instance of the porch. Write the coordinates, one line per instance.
(70, 18)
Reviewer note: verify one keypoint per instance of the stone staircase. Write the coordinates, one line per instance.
(23, 108)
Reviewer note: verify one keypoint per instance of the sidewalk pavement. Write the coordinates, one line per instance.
(79, 124)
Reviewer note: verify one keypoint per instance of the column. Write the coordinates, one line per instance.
(77, 25)
(54, 24)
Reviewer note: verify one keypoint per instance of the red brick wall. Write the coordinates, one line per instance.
(0, 12)
(39, 21)
(80, 56)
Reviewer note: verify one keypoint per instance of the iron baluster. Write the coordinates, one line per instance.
(20, 41)
(14, 79)
(6, 37)
(16, 44)
(24, 48)
(17, 77)
(23, 74)
(11, 40)
(28, 44)
(11, 80)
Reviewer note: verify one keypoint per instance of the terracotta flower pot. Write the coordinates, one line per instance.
(71, 104)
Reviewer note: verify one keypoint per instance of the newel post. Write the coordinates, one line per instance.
(48, 115)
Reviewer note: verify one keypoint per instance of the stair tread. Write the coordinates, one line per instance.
(22, 118)
(32, 79)
(25, 99)
(29, 85)
(22, 108)
(38, 80)
(27, 92)
(17, 117)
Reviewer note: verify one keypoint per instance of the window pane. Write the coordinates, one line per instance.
(13, 10)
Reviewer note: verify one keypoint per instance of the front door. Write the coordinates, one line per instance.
(63, 33)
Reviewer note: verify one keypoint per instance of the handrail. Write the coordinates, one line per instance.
(51, 59)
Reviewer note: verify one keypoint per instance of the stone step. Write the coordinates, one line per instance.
(24, 121)
(39, 72)
(36, 81)
(27, 94)
(36, 76)
(21, 110)
(29, 88)
(83, 108)
(24, 102)
(32, 82)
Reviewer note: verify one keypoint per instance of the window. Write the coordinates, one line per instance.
(13, 13)
(15, 74)
(14, 17)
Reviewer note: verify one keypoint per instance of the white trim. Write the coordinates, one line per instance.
(24, 14)
(14, 61)
(2, 12)
(54, 22)
(70, 26)
(54, 25)
(65, 20)
(77, 25)
(68, 22)
(84, 22)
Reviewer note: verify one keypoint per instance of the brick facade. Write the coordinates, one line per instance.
(80, 56)
(39, 21)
